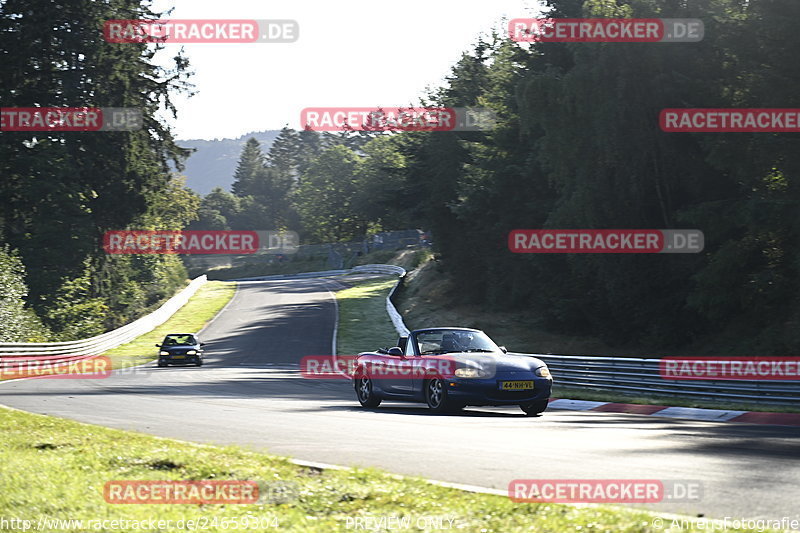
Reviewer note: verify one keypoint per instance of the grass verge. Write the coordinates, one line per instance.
(56, 469)
(363, 321)
(204, 305)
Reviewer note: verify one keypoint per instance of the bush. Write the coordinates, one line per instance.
(18, 323)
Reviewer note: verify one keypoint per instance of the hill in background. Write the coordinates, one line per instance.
(214, 162)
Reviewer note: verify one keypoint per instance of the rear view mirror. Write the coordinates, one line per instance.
(395, 351)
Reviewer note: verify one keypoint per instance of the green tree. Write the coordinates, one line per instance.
(251, 161)
(18, 323)
(60, 191)
(324, 198)
(218, 209)
(381, 190)
(285, 154)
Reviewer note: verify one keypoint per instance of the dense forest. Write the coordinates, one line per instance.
(577, 145)
(60, 191)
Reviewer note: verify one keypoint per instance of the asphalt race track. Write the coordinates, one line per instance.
(249, 392)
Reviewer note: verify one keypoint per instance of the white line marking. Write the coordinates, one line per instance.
(335, 328)
(575, 405)
(693, 413)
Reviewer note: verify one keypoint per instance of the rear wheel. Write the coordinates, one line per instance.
(364, 391)
(436, 397)
(534, 408)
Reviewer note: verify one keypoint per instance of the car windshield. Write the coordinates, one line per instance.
(454, 340)
(179, 340)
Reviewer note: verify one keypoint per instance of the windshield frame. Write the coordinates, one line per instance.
(480, 342)
(176, 337)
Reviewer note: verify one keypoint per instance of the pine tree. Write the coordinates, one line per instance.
(250, 163)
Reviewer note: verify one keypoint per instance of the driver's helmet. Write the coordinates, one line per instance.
(465, 339)
(449, 342)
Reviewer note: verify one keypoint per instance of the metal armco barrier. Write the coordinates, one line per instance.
(60, 352)
(642, 376)
(379, 269)
(389, 270)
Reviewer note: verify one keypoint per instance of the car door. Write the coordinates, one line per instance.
(397, 371)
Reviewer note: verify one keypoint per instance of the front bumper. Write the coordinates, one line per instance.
(177, 359)
(487, 391)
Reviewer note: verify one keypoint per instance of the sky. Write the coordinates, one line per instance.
(350, 53)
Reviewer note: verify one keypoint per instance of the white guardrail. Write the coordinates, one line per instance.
(55, 352)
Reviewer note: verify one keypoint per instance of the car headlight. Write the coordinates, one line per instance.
(471, 372)
(162, 352)
(543, 372)
(191, 352)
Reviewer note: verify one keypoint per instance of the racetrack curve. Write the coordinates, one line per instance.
(249, 392)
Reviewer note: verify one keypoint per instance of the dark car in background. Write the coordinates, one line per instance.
(450, 368)
(180, 348)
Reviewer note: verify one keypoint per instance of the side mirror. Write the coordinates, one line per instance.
(202, 344)
(503, 349)
(395, 350)
(158, 346)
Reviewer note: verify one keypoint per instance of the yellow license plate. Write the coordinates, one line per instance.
(178, 356)
(516, 385)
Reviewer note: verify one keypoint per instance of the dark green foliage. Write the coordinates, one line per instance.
(579, 146)
(20, 324)
(60, 191)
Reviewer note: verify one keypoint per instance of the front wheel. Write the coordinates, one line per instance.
(436, 397)
(534, 408)
(162, 363)
(199, 362)
(364, 391)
